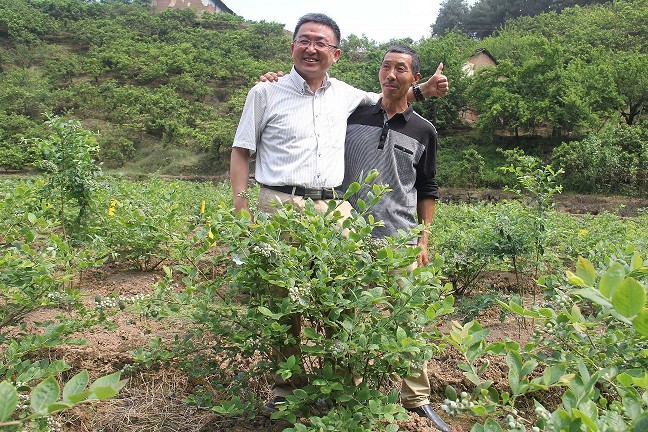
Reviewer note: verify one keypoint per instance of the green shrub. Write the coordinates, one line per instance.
(68, 154)
(589, 347)
(362, 317)
(39, 270)
(613, 161)
(16, 131)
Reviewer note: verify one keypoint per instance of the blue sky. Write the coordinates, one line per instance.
(379, 20)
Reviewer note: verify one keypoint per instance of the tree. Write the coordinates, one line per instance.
(452, 15)
(68, 156)
(24, 91)
(359, 63)
(632, 83)
(487, 16)
(539, 91)
(453, 50)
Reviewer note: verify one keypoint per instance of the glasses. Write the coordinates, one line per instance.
(318, 45)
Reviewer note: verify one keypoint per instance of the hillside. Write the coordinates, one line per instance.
(164, 91)
(155, 85)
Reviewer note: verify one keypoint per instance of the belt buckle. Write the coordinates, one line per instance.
(314, 194)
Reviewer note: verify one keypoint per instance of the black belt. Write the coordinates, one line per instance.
(312, 193)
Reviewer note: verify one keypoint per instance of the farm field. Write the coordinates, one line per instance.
(144, 279)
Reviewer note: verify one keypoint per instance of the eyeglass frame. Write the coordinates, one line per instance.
(318, 45)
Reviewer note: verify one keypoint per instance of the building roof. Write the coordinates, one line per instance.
(223, 6)
(485, 52)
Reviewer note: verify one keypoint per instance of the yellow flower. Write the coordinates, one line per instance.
(111, 207)
(202, 207)
(583, 232)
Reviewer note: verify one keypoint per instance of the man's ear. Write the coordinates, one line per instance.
(417, 77)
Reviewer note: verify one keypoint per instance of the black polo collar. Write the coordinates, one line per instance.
(405, 114)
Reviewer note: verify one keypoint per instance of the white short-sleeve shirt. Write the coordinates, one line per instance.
(298, 135)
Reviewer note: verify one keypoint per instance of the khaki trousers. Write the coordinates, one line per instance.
(269, 202)
(415, 391)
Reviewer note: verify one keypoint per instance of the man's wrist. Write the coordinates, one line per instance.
(428, 90)
(418, 93)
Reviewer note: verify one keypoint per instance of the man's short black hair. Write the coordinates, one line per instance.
(320, 19)
(402, 49)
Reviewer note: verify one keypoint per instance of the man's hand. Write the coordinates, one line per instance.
(437, 85)
(422, 259)
(239, 177)
(271, 76)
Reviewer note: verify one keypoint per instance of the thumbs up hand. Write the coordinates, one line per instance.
(437, 85)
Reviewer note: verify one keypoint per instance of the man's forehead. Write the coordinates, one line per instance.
(393, 57)
(317, 30)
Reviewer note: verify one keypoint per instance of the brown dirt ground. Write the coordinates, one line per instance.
(565, 202)
(153, 400)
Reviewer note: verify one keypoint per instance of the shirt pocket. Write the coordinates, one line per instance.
(404, 149)
(404, 160)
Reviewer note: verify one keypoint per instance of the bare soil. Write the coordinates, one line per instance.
(566, 202)
(154, 400)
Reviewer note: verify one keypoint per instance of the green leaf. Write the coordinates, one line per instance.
(492, 426)
(636, 262)
(478, 410)
(267, 312)
(107, 386)
(585, 418)
(106, 381)
(78, 397)
(58, 406)
(612, 279)
(310, 333)
(640, 323)
(514, 362)
(362, 205)
(585, 270)
(44, 394)
(630, 298)
(546, 312)
(641, 424)
(371, 176)
(353, 188)
(392, 428)
(632, 406)
(450, 393)
(8, 400)
(553, 374)
(106, 392)
(75, 385)
(592, 295)
(516, 308)
(300, 394)
(574, 280)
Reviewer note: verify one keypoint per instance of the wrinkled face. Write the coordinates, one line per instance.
(396, 76)
(313, 62)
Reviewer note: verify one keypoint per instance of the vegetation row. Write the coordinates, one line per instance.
(165, 90)
(580, 283)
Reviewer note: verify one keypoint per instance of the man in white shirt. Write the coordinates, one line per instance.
(297, 128)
